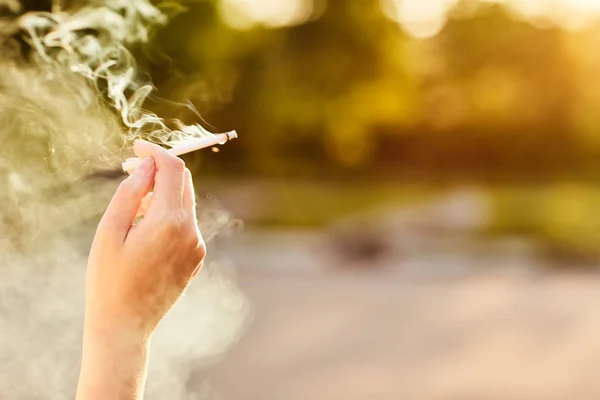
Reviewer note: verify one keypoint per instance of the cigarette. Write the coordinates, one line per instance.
(196, 144)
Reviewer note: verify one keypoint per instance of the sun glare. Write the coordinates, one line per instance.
(425, 18)
(244, 14)
(419, 18)
(571, 14)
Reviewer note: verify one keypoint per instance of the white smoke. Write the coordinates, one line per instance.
(69, 107)
(102, 57)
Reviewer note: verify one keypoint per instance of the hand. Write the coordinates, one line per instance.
(136, 273)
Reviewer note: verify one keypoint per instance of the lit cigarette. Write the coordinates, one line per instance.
(197, 144)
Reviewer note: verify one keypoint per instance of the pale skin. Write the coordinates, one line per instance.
(136, 274)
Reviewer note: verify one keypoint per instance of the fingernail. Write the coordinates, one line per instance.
(145, 167)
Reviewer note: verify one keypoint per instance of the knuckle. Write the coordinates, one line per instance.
(201, 248)
(200, 251)
(195, 243)
(195, 240)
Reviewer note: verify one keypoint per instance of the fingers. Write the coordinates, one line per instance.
(189, 196)
(145, 204)
(170, 176)
(126, 202)
(189, 207)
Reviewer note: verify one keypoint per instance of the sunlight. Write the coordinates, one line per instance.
(425, 18)
(419, 18)
(571, 14)
(244, 14)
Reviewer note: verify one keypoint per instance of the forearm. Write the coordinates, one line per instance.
(114, 366)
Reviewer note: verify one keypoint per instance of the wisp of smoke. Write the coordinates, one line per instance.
(64, 39)
(70, 105)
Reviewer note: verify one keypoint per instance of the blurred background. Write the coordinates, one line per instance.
(352, 107)
(419, 185)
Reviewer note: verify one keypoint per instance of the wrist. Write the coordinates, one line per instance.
(115, 337)
(114, 324)
(114, 363)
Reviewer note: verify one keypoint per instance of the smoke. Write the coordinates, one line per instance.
(70, 105)
(64, 39)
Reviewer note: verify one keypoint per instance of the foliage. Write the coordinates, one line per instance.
(492, 95)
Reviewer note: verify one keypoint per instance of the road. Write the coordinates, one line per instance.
(369, 335)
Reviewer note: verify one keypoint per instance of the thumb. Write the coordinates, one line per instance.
(126, 202)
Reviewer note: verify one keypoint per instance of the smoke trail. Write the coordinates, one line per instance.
(65, 39)
(70, 104)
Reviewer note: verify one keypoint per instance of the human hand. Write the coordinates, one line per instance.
(136, 273)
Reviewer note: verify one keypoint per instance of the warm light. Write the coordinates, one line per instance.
(420, 18)
(425, 18)
(568, 13)
(244, 14)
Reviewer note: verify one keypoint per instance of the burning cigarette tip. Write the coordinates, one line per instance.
(232, 135)
(189, 146)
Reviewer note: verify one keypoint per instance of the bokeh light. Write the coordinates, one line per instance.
(244, 14)
(424, 19)
(419, 18)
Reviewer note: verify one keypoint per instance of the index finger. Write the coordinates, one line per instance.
(170, 175)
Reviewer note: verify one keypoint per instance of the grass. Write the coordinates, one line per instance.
(564, 216)
(313, 204)
(561, 215)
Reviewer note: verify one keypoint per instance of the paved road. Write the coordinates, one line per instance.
(369, 336)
